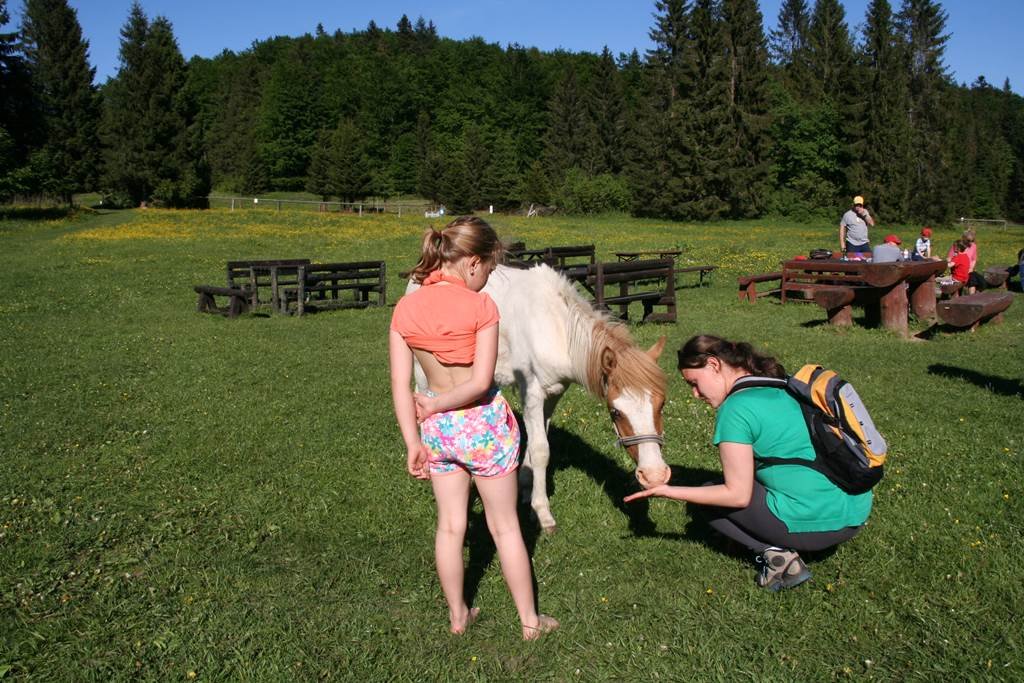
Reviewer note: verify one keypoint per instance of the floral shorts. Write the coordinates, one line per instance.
(482, 440)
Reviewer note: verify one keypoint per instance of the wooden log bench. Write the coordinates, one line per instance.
(563, 257)
(972, 310)
(748, 285)
(703, 270)
(238, 300)
(996, 277)
(652, 283)
(950, 289)
(323, 286)
(266, 274)
(837, 300)
(559, 258)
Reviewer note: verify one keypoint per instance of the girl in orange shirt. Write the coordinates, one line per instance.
(467, 432)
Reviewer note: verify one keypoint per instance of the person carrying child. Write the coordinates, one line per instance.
(775, 510)
(923, 246)
(467, 433)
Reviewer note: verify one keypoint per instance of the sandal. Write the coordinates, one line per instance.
(545, 624)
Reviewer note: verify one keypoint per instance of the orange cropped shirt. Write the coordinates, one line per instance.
(444, 319)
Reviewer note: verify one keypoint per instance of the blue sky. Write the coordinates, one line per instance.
(984, 33)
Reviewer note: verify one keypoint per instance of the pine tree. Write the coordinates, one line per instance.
(748, 109)
(829, 53)
(881, 154)
(289, 118)
(318, 179)
(662, 86)
(789, 39)
(646, 157)
(348, 171)
(699, 147)
(58, 61)
(788, 44)
(17, 111)
(671, 38)
(923, 25)
(231, 143)
(606, 108)
(569, 137)
(129, 170)
(153, 147)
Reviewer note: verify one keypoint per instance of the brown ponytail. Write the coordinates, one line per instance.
(694, 354)
(464, 236)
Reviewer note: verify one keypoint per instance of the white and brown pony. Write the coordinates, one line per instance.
(551, 337)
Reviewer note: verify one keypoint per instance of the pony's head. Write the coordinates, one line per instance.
(633, 387)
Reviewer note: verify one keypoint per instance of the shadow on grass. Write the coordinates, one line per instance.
(573, 452)
(1004, 386)
(34, 213)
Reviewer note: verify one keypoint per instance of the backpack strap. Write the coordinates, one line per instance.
(812, 416)
(751, 381)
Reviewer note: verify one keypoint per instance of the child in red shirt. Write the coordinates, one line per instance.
(467, 433)
(960, 268)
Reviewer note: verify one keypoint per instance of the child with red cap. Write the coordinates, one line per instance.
(923, 246)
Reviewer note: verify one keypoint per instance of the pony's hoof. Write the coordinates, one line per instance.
(549, 530)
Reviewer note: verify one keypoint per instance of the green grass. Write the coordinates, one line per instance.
(185, 493)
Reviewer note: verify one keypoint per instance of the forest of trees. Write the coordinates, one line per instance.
(718, 120)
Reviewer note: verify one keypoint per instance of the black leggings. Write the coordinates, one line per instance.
(757, 527)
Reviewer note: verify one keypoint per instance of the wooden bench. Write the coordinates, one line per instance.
(268, 274)
(562, 257)
(971, 310)
(238, 297)
(652, 283)
(703, 270)
(950, 289)
(558, 258)
(321, 286)
(748, 285)
(837, 300)
(997, 276)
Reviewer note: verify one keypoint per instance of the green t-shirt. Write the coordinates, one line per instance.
(770, 420)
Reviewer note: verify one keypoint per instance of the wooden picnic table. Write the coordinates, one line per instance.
(653, 253)
(280, 275)
(889, 291)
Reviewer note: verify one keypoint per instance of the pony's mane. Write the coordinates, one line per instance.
(591, 332)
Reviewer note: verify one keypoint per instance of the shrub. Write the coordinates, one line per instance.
(581, 193)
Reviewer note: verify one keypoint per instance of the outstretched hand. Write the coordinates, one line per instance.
(660, 491)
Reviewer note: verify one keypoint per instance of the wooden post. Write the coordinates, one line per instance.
(300, 303)
(922, 298)
(894, 309)
(837, 302)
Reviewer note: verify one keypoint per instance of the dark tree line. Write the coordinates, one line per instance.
(717, 120)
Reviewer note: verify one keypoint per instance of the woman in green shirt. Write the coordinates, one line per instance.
(775, 510)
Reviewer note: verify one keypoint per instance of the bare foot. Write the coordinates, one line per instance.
(545, 624)
(459, 627)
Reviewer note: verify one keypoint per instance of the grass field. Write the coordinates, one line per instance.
(189, 497)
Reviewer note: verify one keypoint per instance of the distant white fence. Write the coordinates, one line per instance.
(375, 206)
(971, 222)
